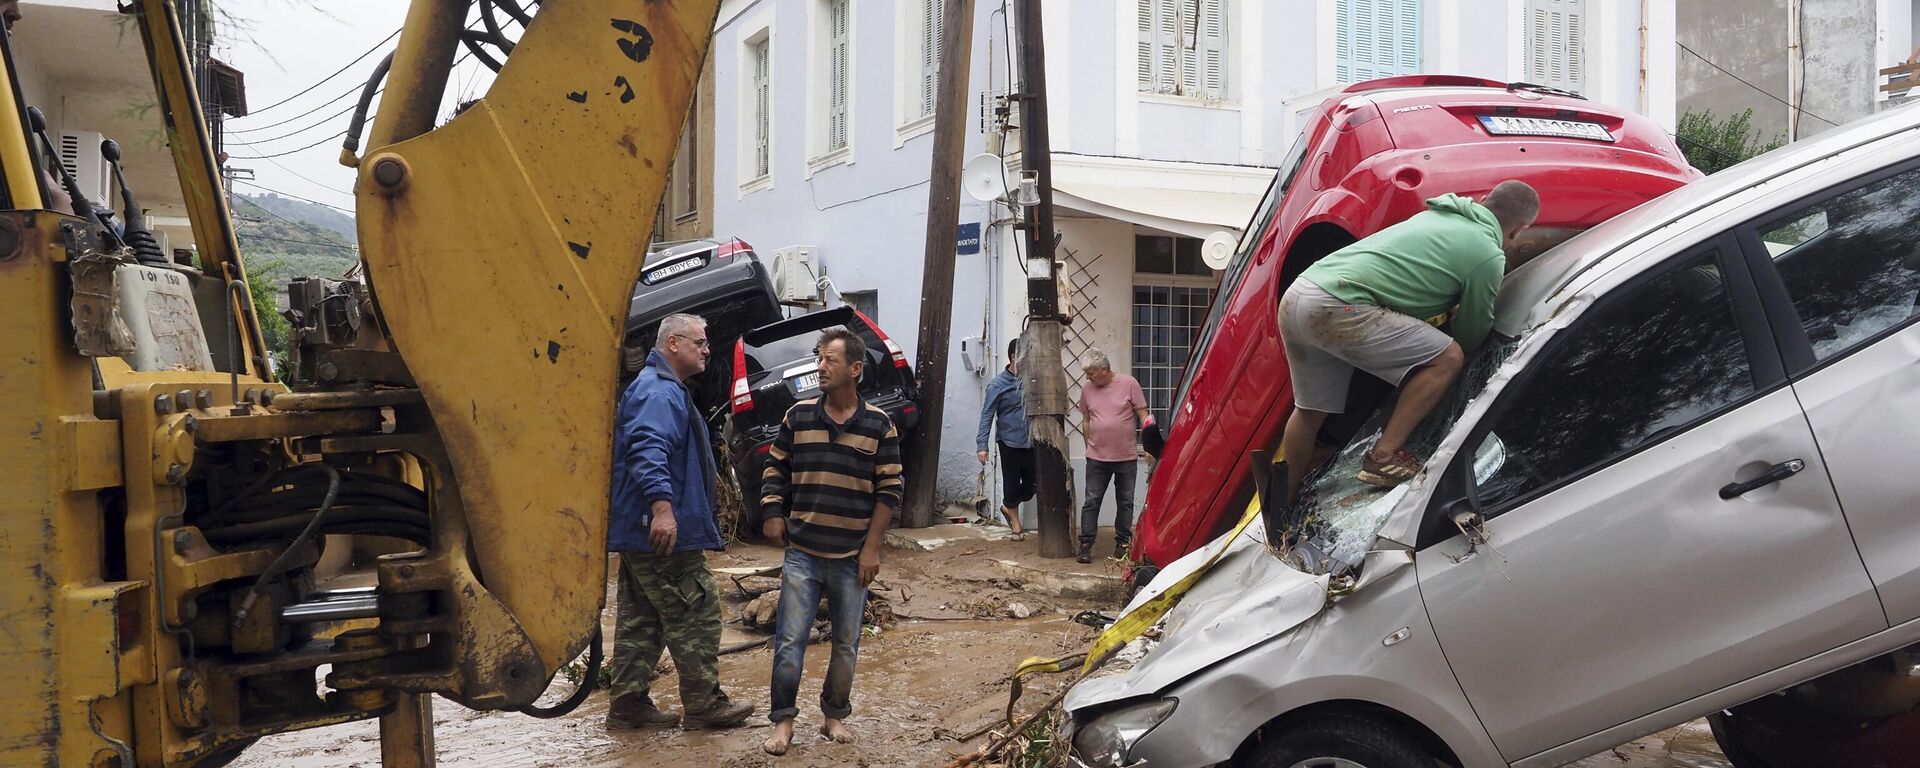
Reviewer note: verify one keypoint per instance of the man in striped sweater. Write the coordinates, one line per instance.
(831, 485)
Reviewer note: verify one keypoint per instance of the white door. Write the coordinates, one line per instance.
(1618, 580)
(1848, 265)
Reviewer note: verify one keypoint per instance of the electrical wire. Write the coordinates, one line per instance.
(302, 225)
(322, 122)
(336, 73)
(323, 105)
(303, 242)
(296, 197)
(1743, 81)
(271, 156)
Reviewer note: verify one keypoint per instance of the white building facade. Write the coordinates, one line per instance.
(1167, 119)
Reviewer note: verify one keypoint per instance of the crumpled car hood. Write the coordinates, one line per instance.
(1248, 597)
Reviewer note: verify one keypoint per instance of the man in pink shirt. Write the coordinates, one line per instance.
(1112, 408)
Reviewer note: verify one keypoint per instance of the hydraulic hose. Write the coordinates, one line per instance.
(280, 563)
(588, 682)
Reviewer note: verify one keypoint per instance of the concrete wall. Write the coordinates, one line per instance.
(1748, 38)
(700, 223)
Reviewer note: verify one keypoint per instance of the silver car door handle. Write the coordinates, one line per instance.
(1779, 472)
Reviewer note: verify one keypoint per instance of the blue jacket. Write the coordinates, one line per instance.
(1005, 408)
(661, 451)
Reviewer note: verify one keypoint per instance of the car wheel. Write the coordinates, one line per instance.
(1339, 740)
(1728, 732)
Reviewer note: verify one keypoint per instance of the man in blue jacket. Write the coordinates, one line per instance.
(1005, 409)
(662, 523)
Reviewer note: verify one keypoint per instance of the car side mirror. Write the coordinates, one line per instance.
(1466, 517)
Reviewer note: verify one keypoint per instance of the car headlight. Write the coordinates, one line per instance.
(1107, 740)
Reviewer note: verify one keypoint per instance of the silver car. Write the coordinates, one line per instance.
(1681, 478)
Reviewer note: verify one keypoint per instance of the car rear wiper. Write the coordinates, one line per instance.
(1542, 89)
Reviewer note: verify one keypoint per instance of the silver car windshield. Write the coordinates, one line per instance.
(1338, 516)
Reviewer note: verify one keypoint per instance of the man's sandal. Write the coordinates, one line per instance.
(1396, 469)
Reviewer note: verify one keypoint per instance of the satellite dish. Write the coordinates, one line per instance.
(1217, 249)
(984, 177)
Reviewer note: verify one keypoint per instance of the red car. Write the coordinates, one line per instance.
(1370, 157)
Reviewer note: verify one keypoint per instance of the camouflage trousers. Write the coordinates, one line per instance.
(667, 603)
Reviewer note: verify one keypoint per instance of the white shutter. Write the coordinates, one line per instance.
(1186, 14)
(1406, 38)
(1556, 44)
(1213, 48)
(837, 75)
(1375, 39)
(1143, 51)
(762, 107)
(932, 16)
(1166, 46)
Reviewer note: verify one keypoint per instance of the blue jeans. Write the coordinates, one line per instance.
(1099, 474)
(802, 580)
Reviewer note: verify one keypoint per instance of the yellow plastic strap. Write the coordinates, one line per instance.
(1141, 619)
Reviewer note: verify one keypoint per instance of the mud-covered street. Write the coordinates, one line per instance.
(939, 672)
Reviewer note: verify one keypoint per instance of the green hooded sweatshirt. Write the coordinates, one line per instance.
(1450, 254)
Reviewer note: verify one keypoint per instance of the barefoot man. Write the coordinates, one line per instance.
(831, 485)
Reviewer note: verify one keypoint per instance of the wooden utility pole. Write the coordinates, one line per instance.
(1045, 380)
(936, 280)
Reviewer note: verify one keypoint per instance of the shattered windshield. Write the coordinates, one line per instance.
(1338, 516)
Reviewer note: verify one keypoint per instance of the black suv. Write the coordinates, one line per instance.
(722, 282)
(774, 368)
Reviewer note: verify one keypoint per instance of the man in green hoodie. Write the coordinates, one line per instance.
(1375, 305)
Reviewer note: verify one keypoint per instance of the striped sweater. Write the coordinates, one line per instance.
(825, 478)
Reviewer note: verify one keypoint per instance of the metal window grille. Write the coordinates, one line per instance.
(1167, 315)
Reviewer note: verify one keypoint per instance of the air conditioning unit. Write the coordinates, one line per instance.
(80, 153)
(796, 275)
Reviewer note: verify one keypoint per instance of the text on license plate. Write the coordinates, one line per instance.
(670, 270)
(1541, 126)
(806, 381)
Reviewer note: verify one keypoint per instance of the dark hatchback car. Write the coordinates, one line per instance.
(774, 368)
(722, 282)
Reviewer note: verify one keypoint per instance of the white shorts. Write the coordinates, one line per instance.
(1326, 339)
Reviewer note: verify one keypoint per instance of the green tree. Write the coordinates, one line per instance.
(266, 306)
(1712, 145)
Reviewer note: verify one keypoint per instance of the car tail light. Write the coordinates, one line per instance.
(742, 394)
(893, 350)
(764, 448)
(728, 249)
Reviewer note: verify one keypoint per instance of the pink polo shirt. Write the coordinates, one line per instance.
(1108, 418)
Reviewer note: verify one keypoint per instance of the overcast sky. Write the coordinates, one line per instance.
(287, 48)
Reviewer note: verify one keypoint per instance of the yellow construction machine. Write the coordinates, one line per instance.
(166, 501)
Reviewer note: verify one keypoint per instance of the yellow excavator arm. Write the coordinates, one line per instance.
(190, 546)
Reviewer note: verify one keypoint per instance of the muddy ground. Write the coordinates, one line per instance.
(941, 670)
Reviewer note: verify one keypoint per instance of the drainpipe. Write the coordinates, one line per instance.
(1796, 70)
(1645, 103)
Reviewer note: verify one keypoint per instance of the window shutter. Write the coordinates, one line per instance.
(1375, 39)
(1556, 45)
(1166, 46)
(837, 75)
(1187, 45)
(761, 108)
(933, 15)
(1143, 52)
(1213, 48)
